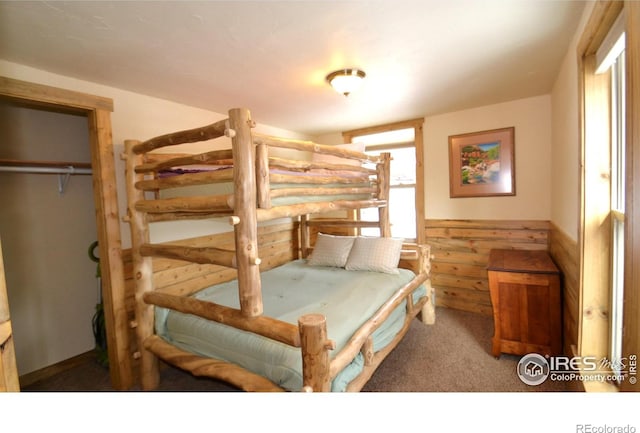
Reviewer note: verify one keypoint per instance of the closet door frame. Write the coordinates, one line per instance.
(98, 111)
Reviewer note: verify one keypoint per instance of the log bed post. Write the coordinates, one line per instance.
(245, 208)
(384, 179)
(315, 353)
(305, 242)
(142, 270)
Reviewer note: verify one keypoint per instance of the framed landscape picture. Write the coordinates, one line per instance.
(481, 164)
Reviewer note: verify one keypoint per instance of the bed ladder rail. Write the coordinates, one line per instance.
(202, 255)
(266, 326)
(310, 146)
(210, 367)
(191, 205)
(208, 132)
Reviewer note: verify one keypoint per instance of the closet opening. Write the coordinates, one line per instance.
(47, 224)
(94, 112)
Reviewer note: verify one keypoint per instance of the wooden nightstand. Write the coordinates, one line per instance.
(525, 293)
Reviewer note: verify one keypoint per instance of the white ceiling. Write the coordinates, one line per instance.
(421, 57)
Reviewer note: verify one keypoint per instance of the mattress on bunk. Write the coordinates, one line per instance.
(346, 298)
(227, 187)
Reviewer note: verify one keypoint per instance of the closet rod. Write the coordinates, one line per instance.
(63, 170)
(46, 170)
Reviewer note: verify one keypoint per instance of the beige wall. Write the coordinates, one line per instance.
(565, 155)
(531, 118)
(565, 152)
(51, 281)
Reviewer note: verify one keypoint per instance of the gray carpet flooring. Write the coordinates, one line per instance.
(453, 355)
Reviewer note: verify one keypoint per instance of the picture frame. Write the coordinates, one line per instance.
(481, 164)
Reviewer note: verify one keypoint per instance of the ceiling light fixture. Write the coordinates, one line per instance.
(346, 81)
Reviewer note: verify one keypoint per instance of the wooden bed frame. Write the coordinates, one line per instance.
(246, 207)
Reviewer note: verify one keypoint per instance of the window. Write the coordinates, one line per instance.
(607, 96)
(599, 216)
(406, 196)
(402, 192)
(403, 140)
(610, 59)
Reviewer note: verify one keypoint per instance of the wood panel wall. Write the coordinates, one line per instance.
(460, 250)
(566, 255)
(277, 244)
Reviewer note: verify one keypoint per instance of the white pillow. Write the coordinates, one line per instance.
(332, 159)
(331, 250)
(375, 254)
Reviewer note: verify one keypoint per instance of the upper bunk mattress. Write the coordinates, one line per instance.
(346, 298)
(357, 180)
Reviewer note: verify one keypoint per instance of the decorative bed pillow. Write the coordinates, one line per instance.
(375, 254)
(331, 250)
(332, 159)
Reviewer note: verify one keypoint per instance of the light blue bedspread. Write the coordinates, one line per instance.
(346, 298)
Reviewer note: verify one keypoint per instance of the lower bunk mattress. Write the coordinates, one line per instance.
(346, 298)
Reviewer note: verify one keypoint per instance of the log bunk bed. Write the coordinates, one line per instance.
(262, 345)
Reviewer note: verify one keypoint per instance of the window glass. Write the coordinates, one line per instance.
(610, 58)
(617, 206)
(402, 209)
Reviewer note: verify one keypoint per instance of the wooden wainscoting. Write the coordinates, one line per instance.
(565, 254)
(460, 250)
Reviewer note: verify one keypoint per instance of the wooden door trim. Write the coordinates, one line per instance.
(98, 111)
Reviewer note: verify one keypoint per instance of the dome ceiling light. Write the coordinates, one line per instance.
(346, 81)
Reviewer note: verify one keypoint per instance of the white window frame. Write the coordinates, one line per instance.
(617, 208)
